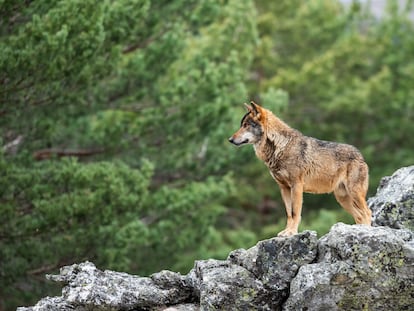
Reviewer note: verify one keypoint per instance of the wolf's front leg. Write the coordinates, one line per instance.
(293, 210)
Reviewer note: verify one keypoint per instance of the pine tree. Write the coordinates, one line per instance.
(114, 118)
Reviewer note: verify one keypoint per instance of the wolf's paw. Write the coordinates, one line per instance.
(287, 232)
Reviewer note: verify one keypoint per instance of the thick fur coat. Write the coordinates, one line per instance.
(304, 164)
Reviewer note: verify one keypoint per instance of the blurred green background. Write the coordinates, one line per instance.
(114, 119)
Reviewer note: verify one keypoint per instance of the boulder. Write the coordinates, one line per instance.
(358, 268)
(87, 287)
(253, 279)
(276, 261)
(393, 204)
(225, 286)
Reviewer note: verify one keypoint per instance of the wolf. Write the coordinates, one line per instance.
(299, 163)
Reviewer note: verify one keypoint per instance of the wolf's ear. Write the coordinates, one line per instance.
(249, 109)
(256, 109)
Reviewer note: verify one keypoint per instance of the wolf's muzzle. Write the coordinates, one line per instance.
(231, 139)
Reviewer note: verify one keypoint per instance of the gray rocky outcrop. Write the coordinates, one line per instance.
(88, 288)
(253, 279)
(358, 268)
(392, 206)
(353, 267)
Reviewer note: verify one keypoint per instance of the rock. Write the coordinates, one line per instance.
(253, 279)
(358, 268)
(353, 267)
(225, 286)
(52, 304)
(276, 261)
(184, 307)
(88, 287)
(393, 205)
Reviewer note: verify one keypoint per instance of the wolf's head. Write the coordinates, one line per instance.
(251, 127)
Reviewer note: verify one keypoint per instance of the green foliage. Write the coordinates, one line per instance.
(59, 212)
(167, 211)
(120, 81)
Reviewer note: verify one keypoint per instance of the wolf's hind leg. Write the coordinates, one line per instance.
(359, 204)
(354, 203)
(346, 202)
(357, 187)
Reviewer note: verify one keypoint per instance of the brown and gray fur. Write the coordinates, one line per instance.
(304, 164)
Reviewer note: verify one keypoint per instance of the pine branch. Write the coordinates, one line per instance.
(145, 43)
(45, 154)
(43, 269)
